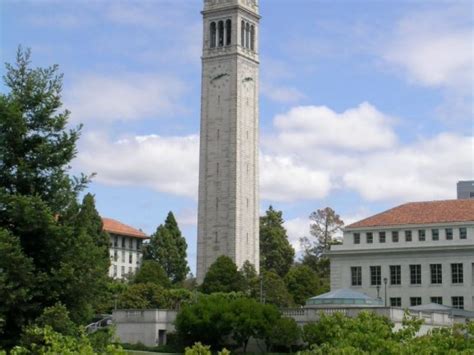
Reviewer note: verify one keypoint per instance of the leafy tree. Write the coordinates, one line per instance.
(283, 334)
(222, 276)
(250, 277)
(274, 290)
(151, 272)
(276, 253)
(57, 317)
(142, 295)
(208, 321)
(168, 247)
(302, 283)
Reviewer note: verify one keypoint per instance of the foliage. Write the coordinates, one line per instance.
(321, 266)
(57, 317)
(198, 349)
(222, 276)
(276, 253)
(168, 247)
(53, 249)
(274, 290)
(151, 295)
(151, 272)
(283, 334)
(302, 283)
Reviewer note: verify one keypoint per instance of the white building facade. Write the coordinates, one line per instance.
(417, 253)
(228, 208)
(125, 248)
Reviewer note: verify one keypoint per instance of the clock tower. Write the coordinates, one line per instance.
(228, 207)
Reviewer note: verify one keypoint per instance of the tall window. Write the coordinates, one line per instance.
(356, 275)
(395, 301)
(123, 257)
(115, 241)
(415, 301)
(415, 274)
(381, 237)
(213, 34)
(228, 32)
(139, 244)
(436, 274)
(437, 300)
(356, 238)
(242, 34)
(115, 270)
(395, 275)
(457, 302)
(375, 275)
(408, 236)
(370, 238)
(115, 255)
(123, 242)
(130, 243)
(462, 233)
(247, 35)
(449, 233)
(252, 37)
(220, 33)
(421, 235)
(457, 274)
(395, 236)
(435, 234)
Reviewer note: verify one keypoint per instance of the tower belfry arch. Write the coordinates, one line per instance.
(228, 206)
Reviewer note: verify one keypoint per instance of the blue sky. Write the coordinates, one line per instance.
(364, 104)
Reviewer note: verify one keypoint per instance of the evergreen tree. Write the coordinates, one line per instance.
(223, 276)
(302, 282)
(168, 247)
(276, 253)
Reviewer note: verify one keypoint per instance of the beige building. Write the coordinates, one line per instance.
(125, 248)
(228, 208)
(413, 254)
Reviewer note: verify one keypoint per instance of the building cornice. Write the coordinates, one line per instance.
(407, 250)
(410, 226)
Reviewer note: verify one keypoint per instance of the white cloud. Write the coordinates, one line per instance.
(166, 164)
(282, 94)
(435, 48)
(281, 179)
(123, 97)
(425, 170)
(361, 128)
(297, 228)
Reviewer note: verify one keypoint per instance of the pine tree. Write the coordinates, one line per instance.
(168, 247)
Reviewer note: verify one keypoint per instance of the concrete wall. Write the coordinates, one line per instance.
(148, 327)
(424, 253)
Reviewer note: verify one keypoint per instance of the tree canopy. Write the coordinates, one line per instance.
(168, 247)
(223, 276)
(302, 283)
(276, 252)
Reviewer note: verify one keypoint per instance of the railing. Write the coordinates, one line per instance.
(103, 323)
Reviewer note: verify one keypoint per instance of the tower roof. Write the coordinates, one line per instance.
(218, 4)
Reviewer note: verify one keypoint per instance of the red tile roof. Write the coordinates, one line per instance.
(429, 212)
(116, 227)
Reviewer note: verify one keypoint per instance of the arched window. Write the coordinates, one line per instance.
(213, 35)
(220, 32)
(242, 34)
(252, 37)
(247, 35)
(228, 32)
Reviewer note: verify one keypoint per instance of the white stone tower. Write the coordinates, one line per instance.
(228, 213)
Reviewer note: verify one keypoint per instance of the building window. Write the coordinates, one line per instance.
(139, 244)
(122, 269)
(395, 236)
(407, 236)
(220, 34)
(462, 233)
(228, 32)
(115, 270)
(123, 242)
(115, 255)
(435, 234)
(457, 274)
(395, 275)
(437, 300)
(395, 301)
(375, 275)
(123, 257)
(436, 274)
(421, 235)
(252, 37)
(381, 237)
(449, 233)
(457, 302)
(242, 34)
(213, 34)
(415, 274)
(415, 301)
(370, 238)
(247, 35)
(130, 243)
(356, 238)
(130, 270)
(356, 275)
(130, 258)
(115, 241)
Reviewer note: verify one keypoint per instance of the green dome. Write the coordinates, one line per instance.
(344, 296)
